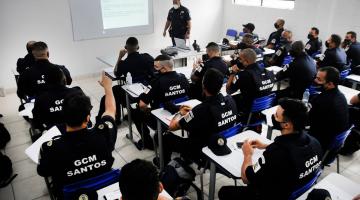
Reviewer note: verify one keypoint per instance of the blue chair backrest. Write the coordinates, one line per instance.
(241, 34)
(305, 188)
(231, 32)
(231, 131)
(344, 74)
(176, 101)
(263, 103)
(315, 54)
(287, 60)
(91, 184)
(339, 140)
(314, 89)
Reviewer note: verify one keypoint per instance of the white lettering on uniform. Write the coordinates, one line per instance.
(175, 87)
(308, 46)
(311, 165)
(86, 164)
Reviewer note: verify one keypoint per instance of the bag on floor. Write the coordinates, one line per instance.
(5, 171)
(352, 143)
(177, 177)
(4, 136)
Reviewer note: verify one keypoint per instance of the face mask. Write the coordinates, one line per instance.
(291, 52)
(310, 37)
(327, 44)
(283, 40)
(276, 124)
(176, 6)
(347, 42)
(276, 25)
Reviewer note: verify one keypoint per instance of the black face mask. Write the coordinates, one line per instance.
(276, 124)
(310, 37)
(292, 53)
(276, 25)
(347, 42)
(327, 44)
(283, 40)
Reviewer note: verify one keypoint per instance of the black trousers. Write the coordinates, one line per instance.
(237, 192)
(142, 120)
(184, 146)
(120, 99)
(290, 93)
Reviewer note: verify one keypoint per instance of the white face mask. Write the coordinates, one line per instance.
(176, 6)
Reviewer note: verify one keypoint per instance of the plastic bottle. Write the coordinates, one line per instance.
(306, 96)
(128, 78)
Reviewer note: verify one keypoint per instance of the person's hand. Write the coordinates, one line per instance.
(357, 197)
(184, 109)
(235, 68)
(258, 144)
(164, 33)
(105, 82)
(122, 53)
(247, 148)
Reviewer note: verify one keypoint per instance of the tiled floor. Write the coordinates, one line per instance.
(28, 185)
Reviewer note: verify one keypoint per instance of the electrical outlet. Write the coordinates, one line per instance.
(2, 92)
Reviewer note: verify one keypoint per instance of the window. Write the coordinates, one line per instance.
(280, 4)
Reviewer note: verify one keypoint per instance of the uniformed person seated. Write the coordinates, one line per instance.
(329, 115)
(23, 63)
(167, 86)
(278, 57)
(252, 81)
(199, 69)
(140, 66)
(48, 107)
(274, 39)
(314, 45)
(334, 55)
(178, 22)
(34, 80)
(287, 164)
(248, 42)
(139, 180)
(215, 114)
(302, 64)
(352, 49)
(249, 28)
(80, 153)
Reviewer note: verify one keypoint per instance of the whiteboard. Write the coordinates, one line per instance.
(92, 19)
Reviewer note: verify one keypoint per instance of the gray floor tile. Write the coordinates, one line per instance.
(7, 193)
(31, 188)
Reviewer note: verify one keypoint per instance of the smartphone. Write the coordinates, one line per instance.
(239, 144)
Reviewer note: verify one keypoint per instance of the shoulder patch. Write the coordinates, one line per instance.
(279, 52)
(273, 41)
(199, 68)
(308, 46)
(49, 144)
(101, 126)
(257, 165)
(188, 117)
(147, 89)
(109, 124)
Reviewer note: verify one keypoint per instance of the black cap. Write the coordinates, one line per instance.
(249, 26)
(162, 58)
(218, 145)
(319, 194)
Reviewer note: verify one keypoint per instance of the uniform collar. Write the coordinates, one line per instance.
(77, 133)
(213, 98)
(42, 61)
(133, 54)
(295, 136)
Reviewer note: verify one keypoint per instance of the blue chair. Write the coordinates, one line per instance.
(232, 33)
(297, 193)
(231, 131)
(314, 90)
(287, 60)
(344, 74)
(335, 146)
(259, 105)
(75, 190)
(241, 34)
(176, 101)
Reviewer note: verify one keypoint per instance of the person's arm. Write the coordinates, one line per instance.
(248, 152)
(174, 123)
(167, 25)
(231, 81)
(188, 26)
(357, 197)
(45, 167)
(110, 106)
(117, 70)
(355, 100)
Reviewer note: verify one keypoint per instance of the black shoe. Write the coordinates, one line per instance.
(118, 122)
(139, 145)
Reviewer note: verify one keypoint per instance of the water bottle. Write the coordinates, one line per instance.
(196, 46)
(128, 79)
(306, 96)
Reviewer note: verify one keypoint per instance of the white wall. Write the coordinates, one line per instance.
(330, 16)
(50, 21)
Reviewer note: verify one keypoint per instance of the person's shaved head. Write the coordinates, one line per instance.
(280, 22)
(40, 50)
(287, 34)
(29, 46)
(248, 55)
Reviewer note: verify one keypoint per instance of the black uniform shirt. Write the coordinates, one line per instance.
(274, 38)
(329, 116)
(166, 87)
(215, 114)
(48, 106)
(313, 46)
(287, 164)
(301, 72)
(35, 79)
(335, 57)
(280, 54)
(178, 18)
(79, 155)
(244, 46)
(216, 63)
(253, 82)
(23, 63)
(140, 66)
(353, 54)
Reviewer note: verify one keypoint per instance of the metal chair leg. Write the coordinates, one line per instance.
(337, 164)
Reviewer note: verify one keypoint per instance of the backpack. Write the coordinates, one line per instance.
(4, 136)
(352, 143)
(177, 177)
(5, 171)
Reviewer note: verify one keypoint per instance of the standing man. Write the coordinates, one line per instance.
(178, 22)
